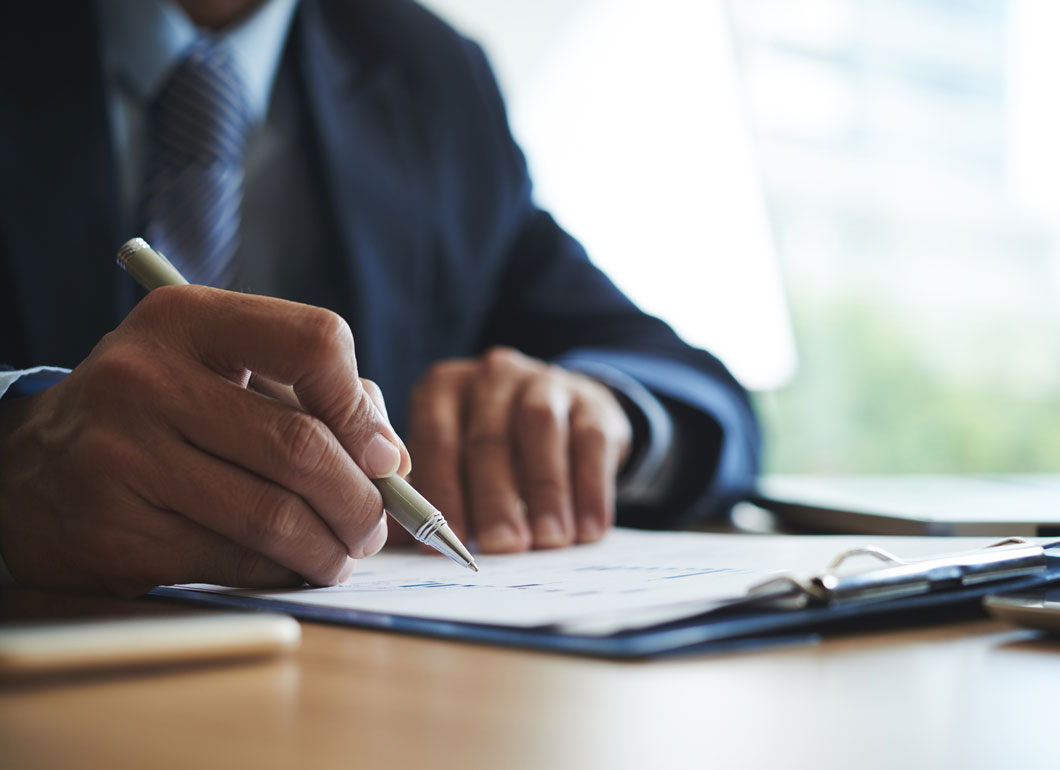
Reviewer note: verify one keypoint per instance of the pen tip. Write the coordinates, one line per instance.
(473, 566)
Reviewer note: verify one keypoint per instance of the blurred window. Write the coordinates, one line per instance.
(901, 158)
(910, 158)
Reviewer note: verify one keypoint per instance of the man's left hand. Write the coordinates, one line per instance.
(517, 453)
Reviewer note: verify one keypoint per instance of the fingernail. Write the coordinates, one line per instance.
(381, 457)
(548, 533)
(347, 570)
(591, 531)
(375, 541)
(500, 538)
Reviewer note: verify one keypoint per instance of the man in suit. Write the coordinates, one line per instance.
(375, 188)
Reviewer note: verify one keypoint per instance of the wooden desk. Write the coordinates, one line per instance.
(968, 695)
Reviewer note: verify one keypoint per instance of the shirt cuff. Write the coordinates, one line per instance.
(25, 382)
(646, 477)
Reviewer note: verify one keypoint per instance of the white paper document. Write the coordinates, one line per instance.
(629, 579)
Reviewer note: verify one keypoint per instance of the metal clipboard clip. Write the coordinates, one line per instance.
(1007, 558)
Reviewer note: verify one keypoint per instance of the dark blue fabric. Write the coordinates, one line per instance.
(442, 252)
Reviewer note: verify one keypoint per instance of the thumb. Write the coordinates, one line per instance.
(404, 465)
(362, 428)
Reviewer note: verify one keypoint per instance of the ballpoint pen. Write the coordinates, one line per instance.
(408, 507)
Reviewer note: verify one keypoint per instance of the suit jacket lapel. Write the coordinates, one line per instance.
(61, 238)
(359, 113)
(63, 225)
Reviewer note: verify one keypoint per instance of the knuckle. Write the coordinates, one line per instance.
(302, 442)
(121, 369)
(162, 300)
(359, 419)
(275, 518)
(171, 302)
(557, 373)
(375, 396)
(327, 335)
(501, 359)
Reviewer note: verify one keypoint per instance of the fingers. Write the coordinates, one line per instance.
(541, 431)
(257, 514)
(290, 447)
(225, 563)
(435, 435)
(498, 510)
(307, 347)
(594, 466)
(517, 453)
(167, 548)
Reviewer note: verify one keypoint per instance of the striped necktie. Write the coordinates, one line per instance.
(194, 185)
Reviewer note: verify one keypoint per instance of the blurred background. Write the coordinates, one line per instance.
(851, 202)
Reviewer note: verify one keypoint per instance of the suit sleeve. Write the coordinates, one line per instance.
(553, 303)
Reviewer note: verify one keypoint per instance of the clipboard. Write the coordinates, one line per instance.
(784, 610)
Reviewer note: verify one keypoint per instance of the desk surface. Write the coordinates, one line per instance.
(966, 695)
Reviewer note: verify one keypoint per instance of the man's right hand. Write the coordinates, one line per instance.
(151, 463)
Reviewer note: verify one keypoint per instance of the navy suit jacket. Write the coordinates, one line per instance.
(444, 252)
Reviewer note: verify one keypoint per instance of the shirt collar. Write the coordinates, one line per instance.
(144, 40)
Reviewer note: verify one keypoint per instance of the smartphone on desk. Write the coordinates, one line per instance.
(1036, 608)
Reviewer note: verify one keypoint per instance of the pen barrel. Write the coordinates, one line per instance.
(409, 508)
(149, 267)
(422, 520)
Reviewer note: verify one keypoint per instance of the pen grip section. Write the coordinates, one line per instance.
(409, 508)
